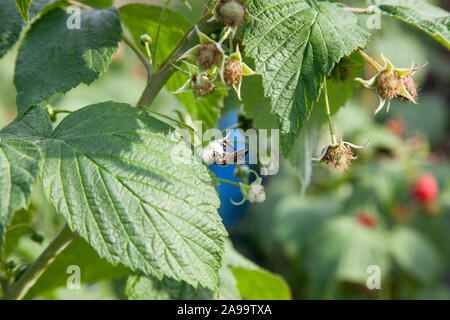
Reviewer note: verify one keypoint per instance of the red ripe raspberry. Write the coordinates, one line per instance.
(425, 189)
(366, 219)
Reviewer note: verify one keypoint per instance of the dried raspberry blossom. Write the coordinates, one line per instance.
(339, 155)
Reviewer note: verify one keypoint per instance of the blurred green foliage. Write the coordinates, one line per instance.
(323, 242)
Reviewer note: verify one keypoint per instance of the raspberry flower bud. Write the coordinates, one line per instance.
(391, 82)
(145, 38)
(208, 54)
(339, 156)
(233, 69)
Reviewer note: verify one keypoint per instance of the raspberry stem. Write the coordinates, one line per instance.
(369, 59)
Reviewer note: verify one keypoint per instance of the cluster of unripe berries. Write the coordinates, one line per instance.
(209, 57)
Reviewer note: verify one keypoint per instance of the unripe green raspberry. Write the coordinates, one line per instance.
(231, 12)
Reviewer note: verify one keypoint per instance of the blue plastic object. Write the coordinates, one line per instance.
(230, 213)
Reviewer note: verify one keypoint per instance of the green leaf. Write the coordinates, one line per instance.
(98, 3)
(11, 23)
(227, 285)
(23, 6)
(33, 125)
(108, 170)
(260, 285)
(53, 58)
(415, 254)
(294, 47)
(19, 166)
(78, 253)
(144, 19)
(425, 16)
